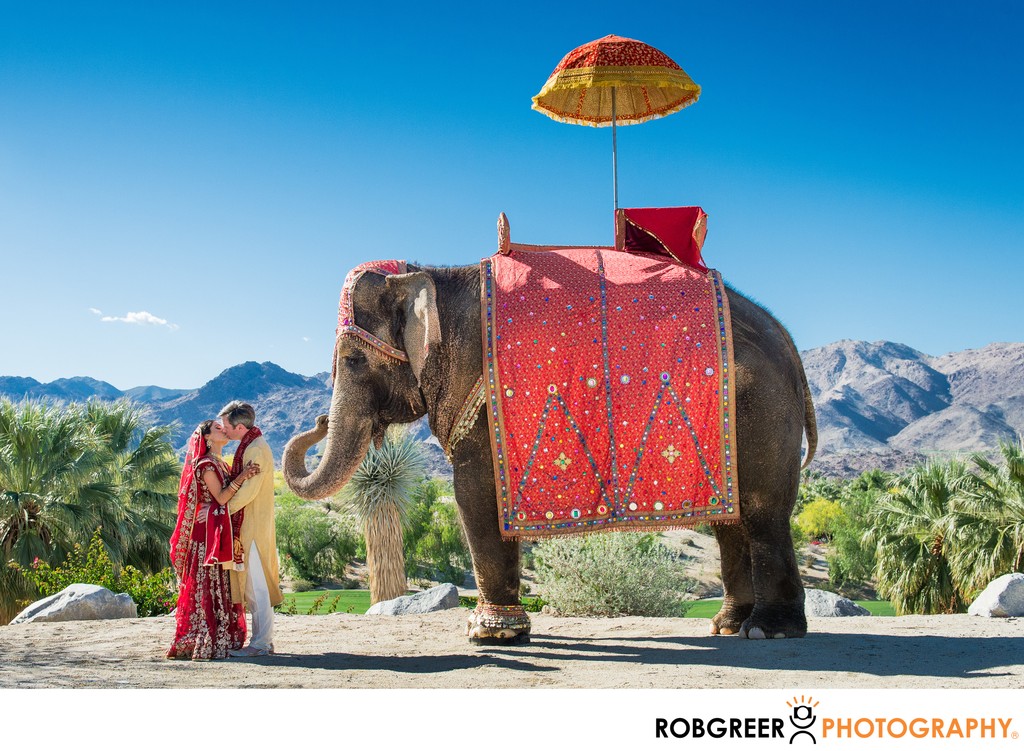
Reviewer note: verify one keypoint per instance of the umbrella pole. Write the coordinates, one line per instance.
(615, 162)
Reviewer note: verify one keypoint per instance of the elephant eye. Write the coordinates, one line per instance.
(355, 359)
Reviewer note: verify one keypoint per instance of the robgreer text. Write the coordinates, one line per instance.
(718, 727)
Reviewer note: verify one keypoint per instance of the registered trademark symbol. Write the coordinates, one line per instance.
(1015, 735)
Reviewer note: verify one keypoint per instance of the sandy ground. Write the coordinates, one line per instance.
(430, 651)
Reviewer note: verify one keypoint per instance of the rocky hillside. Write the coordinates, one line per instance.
(886, 405)
(878, 404)
(286, 403)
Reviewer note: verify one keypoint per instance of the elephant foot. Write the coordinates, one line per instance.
(775, 622)
(500, 625)
(504, 638)
(729, 620)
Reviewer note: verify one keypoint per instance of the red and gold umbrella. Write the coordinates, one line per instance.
(615, 81)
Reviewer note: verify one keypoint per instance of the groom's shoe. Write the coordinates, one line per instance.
(251, 651)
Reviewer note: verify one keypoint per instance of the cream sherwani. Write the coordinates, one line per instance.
(257, 498)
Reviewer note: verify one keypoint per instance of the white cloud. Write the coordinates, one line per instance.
(305, 338)
(140, 318)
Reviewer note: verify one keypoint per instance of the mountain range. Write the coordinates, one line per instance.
(887, 405)
(878, 405)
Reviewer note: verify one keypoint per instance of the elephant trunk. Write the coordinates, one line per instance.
(348, 440)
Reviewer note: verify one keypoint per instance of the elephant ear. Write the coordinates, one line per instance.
(417, 297)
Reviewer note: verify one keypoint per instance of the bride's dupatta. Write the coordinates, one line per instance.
(188, 503)
(219, 532)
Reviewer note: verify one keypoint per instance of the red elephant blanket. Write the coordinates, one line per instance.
(608, 392)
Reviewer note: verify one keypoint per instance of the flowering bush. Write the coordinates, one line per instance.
(154, 594)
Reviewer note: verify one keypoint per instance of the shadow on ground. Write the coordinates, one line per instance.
(865, 654)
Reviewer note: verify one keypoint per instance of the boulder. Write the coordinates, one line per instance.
(79, 602)
(441, 597)
(1002, 598)
(821, 604)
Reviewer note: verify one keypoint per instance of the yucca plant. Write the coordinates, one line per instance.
(379, 494)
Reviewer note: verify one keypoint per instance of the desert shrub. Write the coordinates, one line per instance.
(442, 550)
(314, 544)
(624, 573)
(435, 545)
(526, 556)
(154, 594)
(851, 561)
(420, 515)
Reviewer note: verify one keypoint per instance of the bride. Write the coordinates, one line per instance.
(207, 624)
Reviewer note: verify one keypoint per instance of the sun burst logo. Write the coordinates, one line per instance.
(803, 717)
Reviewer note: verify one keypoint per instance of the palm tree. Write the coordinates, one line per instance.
(140, 462)
(66, 471)
(50, 463)
(50, 467)
(379, 495)
(913, 533)
(989, 507)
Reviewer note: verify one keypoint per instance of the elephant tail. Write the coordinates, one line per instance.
(810, 420)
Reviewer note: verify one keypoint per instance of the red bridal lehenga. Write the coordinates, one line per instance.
(207, 623)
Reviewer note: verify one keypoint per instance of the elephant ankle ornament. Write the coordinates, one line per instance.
(498, 624)
(712, 435)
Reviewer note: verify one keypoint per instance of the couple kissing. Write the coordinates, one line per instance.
(223, 548)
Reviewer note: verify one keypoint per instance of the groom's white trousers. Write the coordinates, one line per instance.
(257, 595)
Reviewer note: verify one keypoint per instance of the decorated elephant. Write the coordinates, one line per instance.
(410, 344)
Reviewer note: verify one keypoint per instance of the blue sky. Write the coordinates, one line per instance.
(183, 186)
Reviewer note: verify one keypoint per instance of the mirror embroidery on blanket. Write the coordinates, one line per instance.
(608, 392)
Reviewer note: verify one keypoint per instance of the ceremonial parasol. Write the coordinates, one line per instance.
(615, 81)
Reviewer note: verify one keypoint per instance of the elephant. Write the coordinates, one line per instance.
(433, 315)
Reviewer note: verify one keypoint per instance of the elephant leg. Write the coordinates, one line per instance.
(499, 617)
(778, 592)
(737, 582)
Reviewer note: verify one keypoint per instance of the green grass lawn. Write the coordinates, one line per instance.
(877, 607)
(708, 608)
(349, 601)
(358, 601)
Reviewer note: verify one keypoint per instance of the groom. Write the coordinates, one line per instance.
(258, 582)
